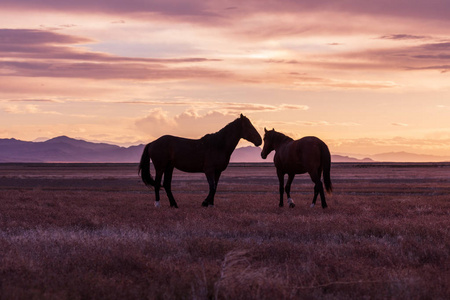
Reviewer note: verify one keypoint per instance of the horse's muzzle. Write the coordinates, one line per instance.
(258, 142)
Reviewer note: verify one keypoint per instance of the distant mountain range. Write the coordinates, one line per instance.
(409, 157)
(253, 154)
(65, 149)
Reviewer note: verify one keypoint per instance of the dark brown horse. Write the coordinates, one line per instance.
(210, 155)
(308, 154)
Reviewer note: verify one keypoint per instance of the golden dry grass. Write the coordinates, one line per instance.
(91, 232)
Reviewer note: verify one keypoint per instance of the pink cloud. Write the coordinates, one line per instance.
(188, 124)
(403, 37)
(26, 43)
(20, 48)
(109, 71)
(425, 56)
(27, 37)
(174, 9)
(38, 53)
(200, 115)
(399, 124)
(219, 11)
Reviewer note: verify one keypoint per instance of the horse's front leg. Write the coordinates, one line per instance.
(281, 186)
(213, 180)
(288, 190)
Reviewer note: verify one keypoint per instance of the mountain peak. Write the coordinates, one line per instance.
(61, 138)
(66, 149)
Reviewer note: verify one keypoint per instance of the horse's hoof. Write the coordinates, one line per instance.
(291, 203)
(205, 204)
(211, 205)
(157, 204)
(312, 205)
(324, 206)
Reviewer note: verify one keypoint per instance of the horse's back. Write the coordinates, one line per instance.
(301, 156)
(310, 146)
(170, 143)
(182, 153)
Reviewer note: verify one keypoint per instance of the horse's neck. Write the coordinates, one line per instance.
(229, 137)
(281, 140)
(232, 137)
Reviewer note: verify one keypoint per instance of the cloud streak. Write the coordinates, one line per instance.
(215, 11)
(37, 53)
(50, 54)
(229, 107)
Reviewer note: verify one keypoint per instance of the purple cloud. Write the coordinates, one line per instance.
(33, 37)
(402, 37)
(220, 10)
(20, 48)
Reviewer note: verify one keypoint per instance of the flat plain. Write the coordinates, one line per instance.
(91, 231)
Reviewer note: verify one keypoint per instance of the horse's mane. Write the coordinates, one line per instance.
(279, 137)
(221, 135)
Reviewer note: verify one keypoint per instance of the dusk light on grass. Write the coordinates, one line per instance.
(366, 77)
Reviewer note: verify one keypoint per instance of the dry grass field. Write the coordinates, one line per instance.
(90, 231)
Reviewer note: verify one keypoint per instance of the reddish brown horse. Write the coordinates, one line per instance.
(210, 155)
(308, 154)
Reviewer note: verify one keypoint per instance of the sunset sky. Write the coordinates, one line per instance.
(365, 76)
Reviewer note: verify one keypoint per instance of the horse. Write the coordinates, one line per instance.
(209, 154)
(308, 154)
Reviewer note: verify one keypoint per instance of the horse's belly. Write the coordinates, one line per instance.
(293, 169)
(190, 167)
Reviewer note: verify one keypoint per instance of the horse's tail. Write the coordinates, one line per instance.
(144, 167)
(326, 164)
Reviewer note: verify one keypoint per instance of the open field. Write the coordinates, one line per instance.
(85, 231)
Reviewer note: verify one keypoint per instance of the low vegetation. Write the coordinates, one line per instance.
(92, 232)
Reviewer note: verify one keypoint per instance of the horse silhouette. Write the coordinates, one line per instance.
(209, 154)
(306, 155)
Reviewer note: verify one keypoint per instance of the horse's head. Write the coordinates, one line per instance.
(268, 143)
(249, 132)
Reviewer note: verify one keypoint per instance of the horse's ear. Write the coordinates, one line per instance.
(265, 130)
(242, 115)
(273, 129)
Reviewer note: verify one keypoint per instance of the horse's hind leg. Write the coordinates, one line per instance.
(288, 190)
(318, 189)
(167, 186)
(321, 191)
(158, 177)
